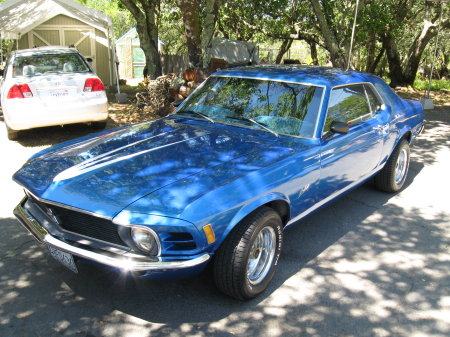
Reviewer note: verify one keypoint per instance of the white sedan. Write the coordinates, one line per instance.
(50, 86)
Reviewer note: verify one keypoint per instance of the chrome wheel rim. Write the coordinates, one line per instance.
(261, 255)
(401, 166)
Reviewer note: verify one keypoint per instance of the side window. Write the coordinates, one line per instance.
(374, 101)
(348, 105)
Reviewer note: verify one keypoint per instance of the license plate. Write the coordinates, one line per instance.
(64, 258)
(55, 94)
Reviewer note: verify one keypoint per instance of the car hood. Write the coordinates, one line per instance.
(106, 172)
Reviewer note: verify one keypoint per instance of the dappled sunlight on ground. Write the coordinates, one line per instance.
(440, 98)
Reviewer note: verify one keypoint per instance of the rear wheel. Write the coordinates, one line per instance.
(246, 261)
(393, 175)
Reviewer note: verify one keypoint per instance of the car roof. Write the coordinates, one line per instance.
(46, 49)
(322, 76)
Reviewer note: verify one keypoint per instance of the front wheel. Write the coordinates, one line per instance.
(246, 261)
(393, 175)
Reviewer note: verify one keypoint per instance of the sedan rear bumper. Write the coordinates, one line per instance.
(21, 115)
(116, 261)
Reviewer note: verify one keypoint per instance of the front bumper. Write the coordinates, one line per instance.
(125, 264)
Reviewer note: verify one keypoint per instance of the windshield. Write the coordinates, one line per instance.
(282, 107)
(48, 63)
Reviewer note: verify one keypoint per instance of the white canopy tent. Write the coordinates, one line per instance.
(18, 17)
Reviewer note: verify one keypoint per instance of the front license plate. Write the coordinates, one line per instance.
(64, 258)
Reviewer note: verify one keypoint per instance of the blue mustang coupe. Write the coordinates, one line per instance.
(250, 152)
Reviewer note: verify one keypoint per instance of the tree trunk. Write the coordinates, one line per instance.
(404, 76)
(415, 52)
(147, 29)
(209, 26)
(337, 56)
(394, 61)
(283, 49)
(443, 69)
(371, 47)
(371, 68)
(190, 10)
(313, 52)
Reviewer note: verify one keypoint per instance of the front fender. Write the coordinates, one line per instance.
(251, 207)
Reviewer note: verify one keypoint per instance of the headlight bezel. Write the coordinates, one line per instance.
(125, 232)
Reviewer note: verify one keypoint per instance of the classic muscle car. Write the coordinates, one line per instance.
(252, 151)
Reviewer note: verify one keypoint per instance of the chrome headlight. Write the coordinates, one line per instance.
(144, 239)
(141, 239)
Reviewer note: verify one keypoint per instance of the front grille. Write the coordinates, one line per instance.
(87, 225)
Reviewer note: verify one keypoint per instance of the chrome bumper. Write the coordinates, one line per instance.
(126, 264)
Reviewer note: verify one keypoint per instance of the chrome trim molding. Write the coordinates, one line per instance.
(45, 201)
(125, 264)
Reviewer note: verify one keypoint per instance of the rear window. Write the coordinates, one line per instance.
(48, 63)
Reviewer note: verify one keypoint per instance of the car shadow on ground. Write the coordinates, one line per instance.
(355, 260)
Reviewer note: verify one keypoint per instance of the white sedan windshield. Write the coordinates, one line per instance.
(48, 63)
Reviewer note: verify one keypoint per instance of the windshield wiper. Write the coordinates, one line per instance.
(197, 113)
(254, 122)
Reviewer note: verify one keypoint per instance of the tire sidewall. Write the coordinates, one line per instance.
(402, 146)
(270, 220)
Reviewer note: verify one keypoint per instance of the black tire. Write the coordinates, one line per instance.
(99, 125)
(393, 175)
(231, 262)
(12, 134)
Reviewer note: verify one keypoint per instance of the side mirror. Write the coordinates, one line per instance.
(177, 102)
(339, 127)
(2, 72)
(89, 60)
(381, 107)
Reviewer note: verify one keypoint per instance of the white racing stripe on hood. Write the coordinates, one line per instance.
(93, 163)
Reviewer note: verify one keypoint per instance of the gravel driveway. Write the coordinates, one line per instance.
(372, 264)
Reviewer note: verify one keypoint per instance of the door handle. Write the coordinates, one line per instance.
(381, 128)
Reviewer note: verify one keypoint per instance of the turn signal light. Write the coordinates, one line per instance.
(209, 233)
(93, 84)
(19, 91)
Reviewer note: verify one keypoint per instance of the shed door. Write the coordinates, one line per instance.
(82, 38)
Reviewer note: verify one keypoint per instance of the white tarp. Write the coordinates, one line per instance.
(18, 17)
(234, 52)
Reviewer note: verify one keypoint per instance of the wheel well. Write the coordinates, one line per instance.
(407, 136)
(282, 208)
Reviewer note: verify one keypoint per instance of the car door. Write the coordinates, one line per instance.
(348, 158)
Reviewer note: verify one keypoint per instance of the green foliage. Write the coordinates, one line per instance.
(436, 85)
(171, 29)
(121, 18)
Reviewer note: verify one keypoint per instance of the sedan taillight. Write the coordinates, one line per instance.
(93, 84)
(19, 91)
